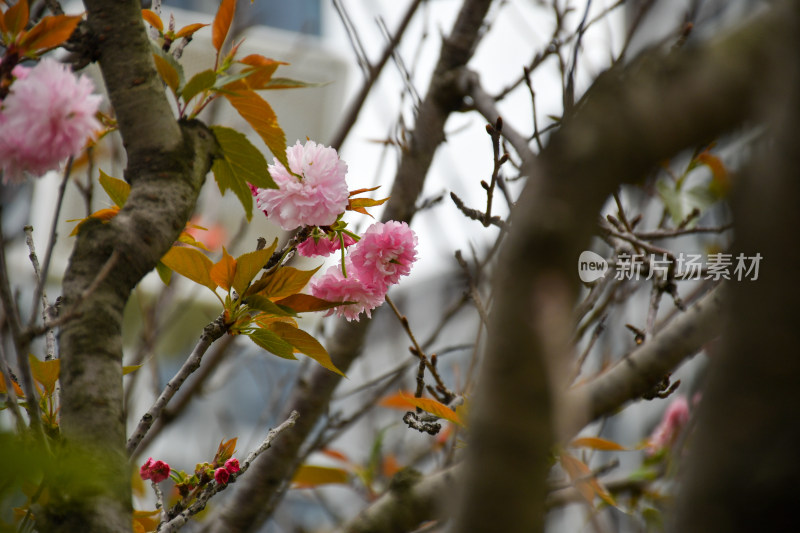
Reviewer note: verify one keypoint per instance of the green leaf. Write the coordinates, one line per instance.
(249, 265)
(190, 263)
(168, 68)
(288, 83)
(306, 344)
(241, 162)
(164, 272)
(262, 303)
(314, 476)
(259, 114)
(304, 303)
(272, 343)
(286, 281)
(198, 83)
(117, 189)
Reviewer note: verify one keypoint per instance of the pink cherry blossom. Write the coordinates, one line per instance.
(385, 252)
(666, 433)
(317, 198)
(47, 116)
(323, 245)
(221, 476)
(334, 287)
(232, 465)
(155, 471)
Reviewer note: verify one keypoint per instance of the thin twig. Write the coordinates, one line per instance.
(211, 332)
(214, 487)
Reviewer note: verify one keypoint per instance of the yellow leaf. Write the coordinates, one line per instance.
(223, 272)
(249, 265)
(597, 443)
(130, 369)
(50, 32)
(258, 113)
(154, 20)
(261, 70)
(167, 73)
(306, 344)
(45, 372)
(435, 408)
(145, 521)
(222, 23)
(190, 263)
(314, 476)
(116, 189)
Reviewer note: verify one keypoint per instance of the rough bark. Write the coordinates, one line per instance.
(259, 492)
(742, 470)
(167, 164)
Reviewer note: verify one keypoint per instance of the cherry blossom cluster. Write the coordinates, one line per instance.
(313, 192)
(155, 471)
(223, 473)
(48, 115)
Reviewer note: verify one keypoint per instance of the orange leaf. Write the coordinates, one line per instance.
(598, 444)
(225, 450)
(189, 29)
(16, 18)
(258, 113)
(359, 191)
(404, 400)
(223, 272)
(103, 214)
(4, 389)
(390, 466)
(261, 68)
(154, 20)
(335, 454)
(222, 23)
(49, 32)
(719, 174)
(45, 372)
(314, 476)
(584, 482)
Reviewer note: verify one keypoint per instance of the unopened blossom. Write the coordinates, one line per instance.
(323, 245)
(314, 193)
(385, 253)
(666, 433)
(47, 116)
(334, 287)
(232, 465)
(155, 471)
(221, 475)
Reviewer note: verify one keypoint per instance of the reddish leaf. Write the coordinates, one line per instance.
(597, 443)
(314, 476)
(260, 68)
(222, 23)
(16, 18)
(49, 32)
(359, 191)
(224, 271)
(398, 401)
(286, 281)
(335, 454)
(225, 451)
(190, 263)
(304, 303)
(188, 30)
(258, 113)
(154, 20)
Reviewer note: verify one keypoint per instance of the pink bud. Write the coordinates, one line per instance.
(221, 476)
(232, 465)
